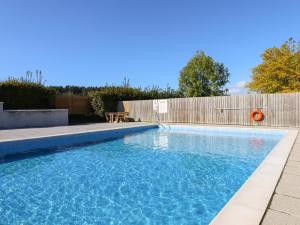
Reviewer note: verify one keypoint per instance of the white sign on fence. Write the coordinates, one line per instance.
(162, 106)
(155, 105)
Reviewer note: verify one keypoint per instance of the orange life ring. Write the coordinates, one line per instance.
(257, 115)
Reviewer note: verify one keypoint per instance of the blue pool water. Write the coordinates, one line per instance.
(159, 176)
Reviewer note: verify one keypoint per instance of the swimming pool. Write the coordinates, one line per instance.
(170, 175)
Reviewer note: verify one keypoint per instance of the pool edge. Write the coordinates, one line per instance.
(24, 145)
(250, 202)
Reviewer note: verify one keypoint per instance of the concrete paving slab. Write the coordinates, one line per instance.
(296, 147)
(263, 180)
(237, 214)
(286, 204)
(295, 156)
(284, 208)
(16, 134)
(278, 218)
(292, 170)
(290, 188)
(293, 163)
(290, 179)
(254, 197)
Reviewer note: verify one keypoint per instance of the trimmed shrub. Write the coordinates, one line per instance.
(105, 99)
(21, 94)
(123, 92)
(98, 104)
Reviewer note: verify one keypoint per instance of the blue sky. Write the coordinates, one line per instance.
(93, 42)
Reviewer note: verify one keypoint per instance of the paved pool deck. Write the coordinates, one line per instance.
(284, 207)
(25, 133)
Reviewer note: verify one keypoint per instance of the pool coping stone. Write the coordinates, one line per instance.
(251, 201)
(249, 205)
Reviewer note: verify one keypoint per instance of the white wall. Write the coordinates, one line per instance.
(32, 118)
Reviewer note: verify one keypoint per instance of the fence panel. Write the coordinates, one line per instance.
(279, 110)
(75, 103)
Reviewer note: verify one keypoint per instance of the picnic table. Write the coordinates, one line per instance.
(115, 117)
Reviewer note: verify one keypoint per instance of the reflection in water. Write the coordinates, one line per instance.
(256, 143)
(157, 140)
(152, 177)
(161, 141)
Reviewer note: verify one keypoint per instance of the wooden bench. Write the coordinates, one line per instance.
(116, 117)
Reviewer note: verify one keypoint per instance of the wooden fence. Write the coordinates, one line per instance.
(75, 103)
(279, 110)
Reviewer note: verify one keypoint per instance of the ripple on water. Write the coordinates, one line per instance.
(154, 177)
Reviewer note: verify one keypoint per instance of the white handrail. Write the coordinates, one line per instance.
(157, 118)
(159, 123)
(241, 108)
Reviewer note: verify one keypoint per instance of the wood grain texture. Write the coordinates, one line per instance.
(279, 110)
(76, 104)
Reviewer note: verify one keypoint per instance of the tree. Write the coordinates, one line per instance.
(202, 76)
(280, 70)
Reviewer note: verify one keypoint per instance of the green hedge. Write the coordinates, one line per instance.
(17, 94)
(105, 99)
(122, 92)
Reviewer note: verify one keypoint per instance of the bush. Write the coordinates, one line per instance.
(105, 99)
(24, 94)
(76, 90)
(98, 104)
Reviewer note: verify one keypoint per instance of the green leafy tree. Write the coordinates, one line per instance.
(202, 76)
(280, 70)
